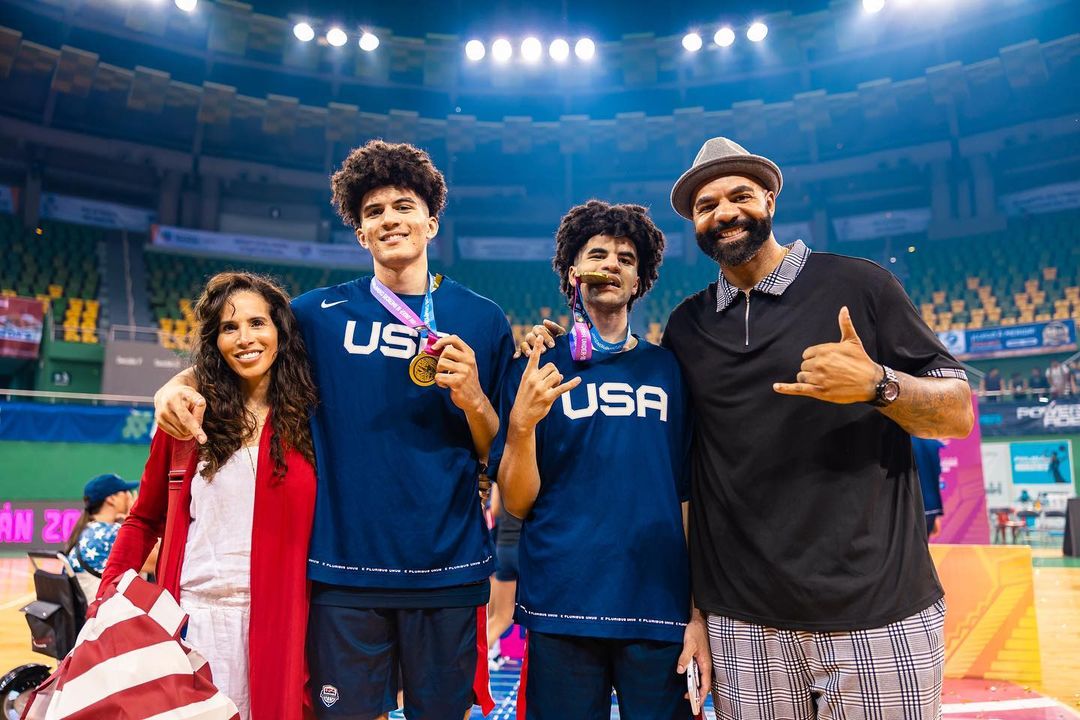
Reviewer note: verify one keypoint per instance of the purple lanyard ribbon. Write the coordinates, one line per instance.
(397, 307)
(580, 334)
(584, 337)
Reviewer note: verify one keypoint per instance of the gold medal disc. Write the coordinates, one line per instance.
(422, 369)
(596, 278)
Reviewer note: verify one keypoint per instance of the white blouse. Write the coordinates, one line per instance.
(215, 581)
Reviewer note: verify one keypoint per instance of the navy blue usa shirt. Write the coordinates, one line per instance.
(397, 505)
(602, 553)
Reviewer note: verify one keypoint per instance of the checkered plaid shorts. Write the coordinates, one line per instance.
(892, 672)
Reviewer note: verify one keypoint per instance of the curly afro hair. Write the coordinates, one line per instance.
(597, 217)
(381, 164)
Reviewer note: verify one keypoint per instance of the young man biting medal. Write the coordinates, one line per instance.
(594, 462)
(400, 554)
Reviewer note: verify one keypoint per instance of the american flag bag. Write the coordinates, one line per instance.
(129, 663)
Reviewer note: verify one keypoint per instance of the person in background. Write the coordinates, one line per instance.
(504, 581)
(991, 383)
(928, 465)
(1018, 386)
(1037, 382)
(106, 500)
(1058, 379)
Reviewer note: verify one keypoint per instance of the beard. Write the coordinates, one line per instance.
(739, 252)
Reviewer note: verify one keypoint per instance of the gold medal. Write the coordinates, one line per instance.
(596, 278)
(422, 369)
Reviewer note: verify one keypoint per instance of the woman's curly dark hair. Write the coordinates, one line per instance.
(291, 395)
(381, 164)
(597, 217)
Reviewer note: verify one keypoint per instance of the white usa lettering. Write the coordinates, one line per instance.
(617, 399)
(396, 340)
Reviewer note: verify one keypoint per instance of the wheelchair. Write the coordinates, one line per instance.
(55, 618)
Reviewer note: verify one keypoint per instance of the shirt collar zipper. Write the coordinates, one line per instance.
(747, 318)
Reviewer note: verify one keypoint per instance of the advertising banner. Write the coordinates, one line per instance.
(1048, 199)
(38, 422)
(1011, 340)
(1030, 418)
(990, 628)
(37, 524)
(251, 247)
(964, 518)
(996, 475)
(21, 322)
(1046, 463)
(506, 248)
(82, 211)
(882, 224)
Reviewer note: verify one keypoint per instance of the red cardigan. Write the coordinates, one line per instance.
(281, 528)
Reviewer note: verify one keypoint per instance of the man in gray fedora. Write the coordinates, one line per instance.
(808, 374)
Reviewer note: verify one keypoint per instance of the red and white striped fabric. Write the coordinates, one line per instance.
(130, 664)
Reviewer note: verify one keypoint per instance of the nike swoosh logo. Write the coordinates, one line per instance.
(337, 302)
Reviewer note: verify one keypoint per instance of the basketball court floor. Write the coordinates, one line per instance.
(1057, 697)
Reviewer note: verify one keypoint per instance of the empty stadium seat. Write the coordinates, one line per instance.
(58, 265)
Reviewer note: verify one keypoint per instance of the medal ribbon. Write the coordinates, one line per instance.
(584, 337)
(397, 307)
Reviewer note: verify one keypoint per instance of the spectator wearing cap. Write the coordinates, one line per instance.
(808, 373)
(106, 501)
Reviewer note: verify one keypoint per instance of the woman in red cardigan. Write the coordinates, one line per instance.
(235, 512)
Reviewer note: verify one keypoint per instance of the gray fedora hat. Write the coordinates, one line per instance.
(719, 157)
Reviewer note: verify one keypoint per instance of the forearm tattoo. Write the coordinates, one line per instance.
(931, 407)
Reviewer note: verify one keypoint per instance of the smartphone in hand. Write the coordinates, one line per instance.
(693, 687)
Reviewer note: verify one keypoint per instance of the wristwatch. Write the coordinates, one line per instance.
(888, 388)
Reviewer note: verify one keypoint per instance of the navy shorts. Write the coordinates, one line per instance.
(354, 657)
(571, 678)
(506, 563)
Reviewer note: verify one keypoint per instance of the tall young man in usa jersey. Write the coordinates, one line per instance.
(405, 363)
(594, 462)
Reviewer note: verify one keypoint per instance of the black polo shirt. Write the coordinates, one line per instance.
(805, 514)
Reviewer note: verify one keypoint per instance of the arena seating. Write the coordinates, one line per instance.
(1028, 273)
(56, 263)
(175, 281)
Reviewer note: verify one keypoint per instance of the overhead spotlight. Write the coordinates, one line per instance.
(475, 50)
(757, 32)
(691, 42)
(336, 37)
(724, 37)
(303, 32)
(369, 41)
(559, 50)
(585, 49)
(187, 5)
(531, 49)
(873, 6)
(501, 50)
